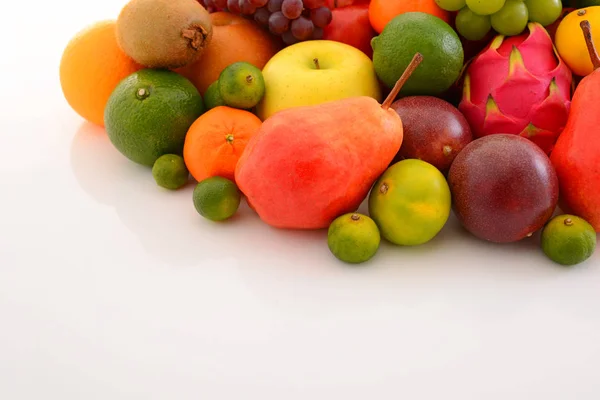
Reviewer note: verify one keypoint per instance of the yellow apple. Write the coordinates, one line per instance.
(315, 72)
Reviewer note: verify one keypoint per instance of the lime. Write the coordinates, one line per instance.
(568, 239)
(217, 198)
(353, 238)
(170, 172)
(241, 85)
(410, 202)
(149, 113)
(413, 32)
(212, 96)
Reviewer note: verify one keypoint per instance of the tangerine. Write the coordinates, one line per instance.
(216, 140)
(383, 11)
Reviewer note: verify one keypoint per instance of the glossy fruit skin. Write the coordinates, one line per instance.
(576, 156)
(351, 25)
(410, 202)
(570, 42)
(434, 130)
(518, 85)
(504, 188)
(308, 165)
(149, 114)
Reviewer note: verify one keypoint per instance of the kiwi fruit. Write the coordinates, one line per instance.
(164, 33)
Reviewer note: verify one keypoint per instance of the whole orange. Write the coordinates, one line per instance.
(383, 11)
(216, 140)
(91, 66)
(235, 38)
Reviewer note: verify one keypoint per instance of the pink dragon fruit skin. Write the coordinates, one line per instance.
(518, 85)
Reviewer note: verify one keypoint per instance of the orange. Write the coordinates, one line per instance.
(216, 140)
(235, 38)
(570, 42)
(383, 11)
(92, 65)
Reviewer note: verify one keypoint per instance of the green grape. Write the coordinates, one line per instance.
(472, 26)
(485, 7)
(544, 12)
(511, 19)
(451, 5)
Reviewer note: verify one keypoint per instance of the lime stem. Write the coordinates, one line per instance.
(355, 217)
(587, 34)
(568, 222)
(417, 58)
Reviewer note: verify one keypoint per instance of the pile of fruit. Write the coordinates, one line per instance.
(306, 108)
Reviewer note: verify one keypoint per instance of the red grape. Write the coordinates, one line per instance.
(274, 5)
(302, 28)
(220, 3)
(246, 7)
(317, 33)
(321, 16)
(288, 38)
(259, 3)
(278, 23)
(234, 6)
(314, 3)
(292, 9)
(262, 16)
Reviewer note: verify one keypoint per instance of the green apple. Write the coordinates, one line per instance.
(315, 72)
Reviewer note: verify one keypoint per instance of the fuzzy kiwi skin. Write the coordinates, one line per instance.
(164, 33)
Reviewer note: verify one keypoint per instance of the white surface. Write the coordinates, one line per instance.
(113, 289)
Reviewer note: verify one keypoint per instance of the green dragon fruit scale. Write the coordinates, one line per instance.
(518, 85)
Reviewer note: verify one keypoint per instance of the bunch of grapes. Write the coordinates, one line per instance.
(475, 18)
(293, 20)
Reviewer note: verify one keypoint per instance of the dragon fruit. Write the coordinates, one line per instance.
(518, 85)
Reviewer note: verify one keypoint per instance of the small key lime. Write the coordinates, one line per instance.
(217, 198)
(353, 238)
(170, 172)
(241, 85)
(568, 239)
(410, 202)
(212, 96)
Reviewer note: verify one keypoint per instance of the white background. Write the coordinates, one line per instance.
(113, 289)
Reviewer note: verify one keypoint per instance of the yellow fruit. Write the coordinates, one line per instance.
(410, 203)
(92, 65)
(570, 42)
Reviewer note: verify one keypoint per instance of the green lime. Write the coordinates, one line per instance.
(212, 96)
(217, 198)
(568, 239)
(353, 238)
(410, 202)
(149, 113)
(170, 172)
(418, 32)
(241, 85)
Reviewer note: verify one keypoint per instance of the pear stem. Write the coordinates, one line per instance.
(587, 34)
(418, 57)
